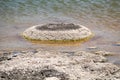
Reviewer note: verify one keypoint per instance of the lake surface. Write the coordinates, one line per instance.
(101, 16)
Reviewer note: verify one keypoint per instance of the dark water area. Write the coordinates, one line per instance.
(101, 16)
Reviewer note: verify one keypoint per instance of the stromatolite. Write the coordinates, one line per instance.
(61, 31)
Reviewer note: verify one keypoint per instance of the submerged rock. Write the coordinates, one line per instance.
(57, 32)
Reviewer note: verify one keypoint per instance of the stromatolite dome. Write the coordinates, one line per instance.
(63, 31)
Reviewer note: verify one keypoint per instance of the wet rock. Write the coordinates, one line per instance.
(45, 65)
(9, 58)
(34, 51)
(117, 44)
(93, 47)
(15, 54)
(5, 56)
(63, 31)
(89, 57)
(52, 78)
(68, 53)
(24, 51)
(40, 74)
(103, 53)
(46, 72)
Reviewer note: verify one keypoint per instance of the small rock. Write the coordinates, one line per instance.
(3, 58)
(104, 53)
(52, 78)
(15, 54)
(24, 51)
(93, 47)
(117, 44)
(6, 54)
(9, 58)
(69, 53)
(34, 51)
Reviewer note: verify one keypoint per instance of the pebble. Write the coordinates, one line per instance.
(93, 47)
(117, 44)
(104, 53)
(52, 78)
(3, 58)
(10, 58)
(15, 54)
(24, 51)
(34, 51)
(117, 62)
(69, 53)
(6, 54)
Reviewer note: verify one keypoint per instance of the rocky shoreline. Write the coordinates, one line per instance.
(52, 65)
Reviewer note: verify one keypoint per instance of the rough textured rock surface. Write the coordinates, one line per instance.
(44, 65)
(57, 32)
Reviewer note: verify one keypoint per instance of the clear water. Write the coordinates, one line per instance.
(85, 10)
(101, 16)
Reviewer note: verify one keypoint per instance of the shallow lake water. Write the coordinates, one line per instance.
(101, 16)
